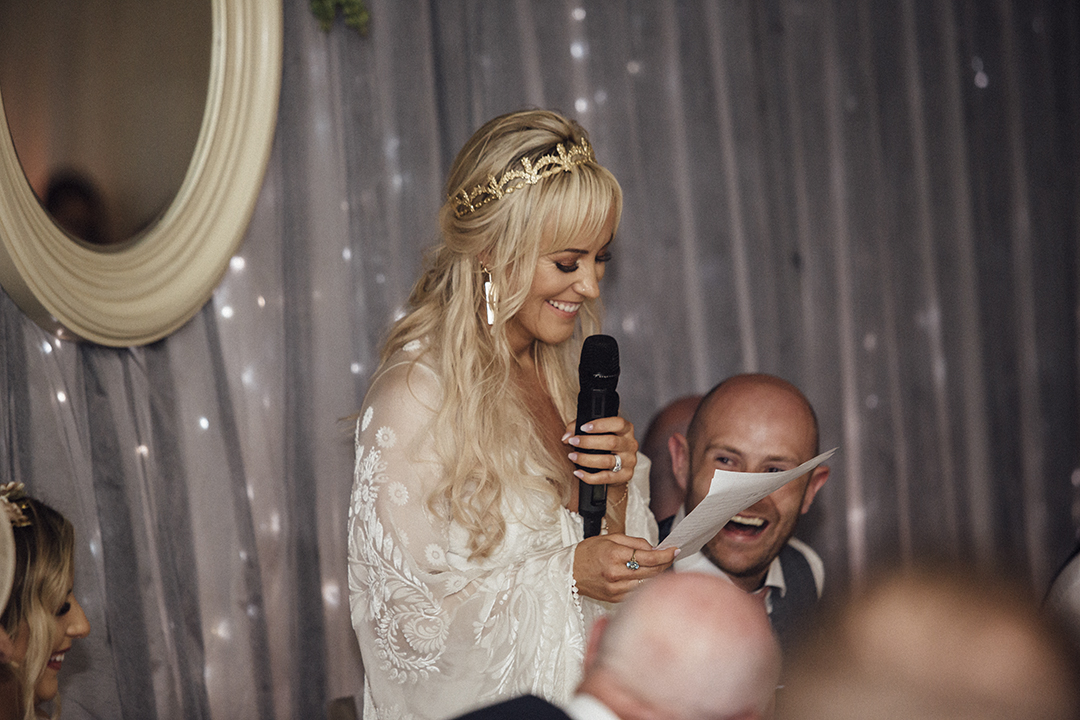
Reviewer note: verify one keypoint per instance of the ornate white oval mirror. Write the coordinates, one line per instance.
(176, 242)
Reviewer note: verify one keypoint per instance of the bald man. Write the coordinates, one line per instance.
(667, 495)
(757, 423)
(683, 646)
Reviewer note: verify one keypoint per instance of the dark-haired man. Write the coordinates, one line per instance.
(666, 496)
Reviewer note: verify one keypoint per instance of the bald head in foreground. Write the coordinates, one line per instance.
(684, 646)
(935, 643)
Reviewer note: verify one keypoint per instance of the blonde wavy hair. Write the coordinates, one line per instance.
(44, 561)
(484, 431)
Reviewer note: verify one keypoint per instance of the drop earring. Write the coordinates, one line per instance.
(490, 294)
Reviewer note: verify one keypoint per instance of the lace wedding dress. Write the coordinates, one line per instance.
(440, 633)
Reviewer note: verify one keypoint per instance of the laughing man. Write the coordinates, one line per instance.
(757, 423)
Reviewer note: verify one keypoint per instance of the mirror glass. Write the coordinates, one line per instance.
(104, 101)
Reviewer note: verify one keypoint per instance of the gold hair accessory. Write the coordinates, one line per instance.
(562, 160)
(491, 295)
(13, 499)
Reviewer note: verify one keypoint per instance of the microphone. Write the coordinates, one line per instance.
(598, 373)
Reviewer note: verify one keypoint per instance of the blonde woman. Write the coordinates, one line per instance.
(42, 616)
(7, 576)
(469, 578)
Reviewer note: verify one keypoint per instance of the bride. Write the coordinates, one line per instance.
(469, 579)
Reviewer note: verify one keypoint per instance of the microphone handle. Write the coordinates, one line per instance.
(593, 404)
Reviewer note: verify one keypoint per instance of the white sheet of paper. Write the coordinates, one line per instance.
(730, 493)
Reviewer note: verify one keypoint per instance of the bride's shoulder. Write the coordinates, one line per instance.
(408, 376)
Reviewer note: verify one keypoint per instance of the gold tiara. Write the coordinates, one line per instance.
(13, 502)
(530, 173)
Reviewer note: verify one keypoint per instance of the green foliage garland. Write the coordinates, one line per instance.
(355, 12)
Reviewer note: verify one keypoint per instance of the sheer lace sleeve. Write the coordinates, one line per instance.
(439, 633)
(639, 518)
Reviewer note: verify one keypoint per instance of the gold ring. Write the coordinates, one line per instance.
(632, 564)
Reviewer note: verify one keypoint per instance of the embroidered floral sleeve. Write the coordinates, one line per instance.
(640, 521)
(440, 634)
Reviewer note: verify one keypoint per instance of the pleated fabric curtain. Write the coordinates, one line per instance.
(879, 201)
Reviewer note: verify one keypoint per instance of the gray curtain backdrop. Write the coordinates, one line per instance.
(878, 200)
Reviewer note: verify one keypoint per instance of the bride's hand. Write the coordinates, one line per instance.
(607, 567)
(614, 437)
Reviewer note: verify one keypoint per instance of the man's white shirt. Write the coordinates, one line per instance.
(774, 578)
(586, 707)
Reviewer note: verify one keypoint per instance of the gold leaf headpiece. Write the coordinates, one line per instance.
(564, 159)
(13, 500)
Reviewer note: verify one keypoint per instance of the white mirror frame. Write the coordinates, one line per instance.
(151, 286)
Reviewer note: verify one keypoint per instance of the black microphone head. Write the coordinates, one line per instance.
(599, 362)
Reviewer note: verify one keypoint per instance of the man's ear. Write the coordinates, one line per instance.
(593, 645)
(817, 478)
(679, 449)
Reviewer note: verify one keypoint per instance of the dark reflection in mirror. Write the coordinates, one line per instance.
(104, 100)
(76, 205)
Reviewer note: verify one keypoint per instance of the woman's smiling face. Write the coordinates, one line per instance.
(71, 623)
(564, 279)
